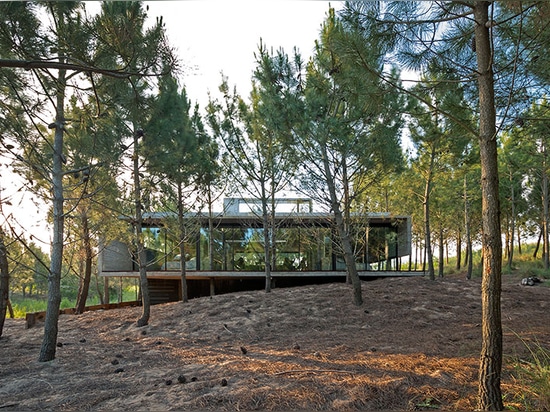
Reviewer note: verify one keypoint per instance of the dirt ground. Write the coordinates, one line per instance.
(413, 345)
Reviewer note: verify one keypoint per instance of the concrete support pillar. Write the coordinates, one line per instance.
(212, 287)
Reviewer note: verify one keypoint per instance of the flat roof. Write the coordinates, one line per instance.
(318, 219)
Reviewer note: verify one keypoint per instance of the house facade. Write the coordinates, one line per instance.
(228, 248)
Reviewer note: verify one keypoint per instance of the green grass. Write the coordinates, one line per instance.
(524, 265)
(23, 305)
(532, 378)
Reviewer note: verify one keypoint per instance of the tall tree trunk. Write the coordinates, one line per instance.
(85, 284)
(49, 341)
(468, 259)
(272, 232)
(141, 253)
(267, 243)
(343, 234)
(519, 239)
(459, 250)
(347, 212)
(546, 215)
(512, 224)
(210, 230)
(387, 264)
(422, 255)
(490, 369)
(427, 230)
(183, 259)
(4, 281)
(537, 245)
(506, 247)
(441, 252)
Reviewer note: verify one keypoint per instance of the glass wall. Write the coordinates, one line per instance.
(303, 248)
(232, 249)
(163, 251)
(381, 248)
(243, 249)
(296, 249)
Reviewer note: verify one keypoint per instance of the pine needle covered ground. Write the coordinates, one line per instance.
(413, 345)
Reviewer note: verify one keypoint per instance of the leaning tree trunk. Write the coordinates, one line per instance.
(490, 368)
(537, 244)
(4, 281)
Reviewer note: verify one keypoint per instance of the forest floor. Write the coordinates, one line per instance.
(413, 345)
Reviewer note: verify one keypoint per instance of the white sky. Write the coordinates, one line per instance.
(214, 36)
(211, 37)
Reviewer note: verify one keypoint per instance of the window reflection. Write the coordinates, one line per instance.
(297, 249)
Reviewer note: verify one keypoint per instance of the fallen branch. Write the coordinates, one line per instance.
(9, 405)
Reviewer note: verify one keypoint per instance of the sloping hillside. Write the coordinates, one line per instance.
(412, 345)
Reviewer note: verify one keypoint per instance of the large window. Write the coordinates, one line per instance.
(303, 248)
(298, 248)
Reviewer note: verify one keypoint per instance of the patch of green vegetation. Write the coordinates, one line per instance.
(532, 377)
(24, 304)
(428, 403)
(21, 305)
(525, 264)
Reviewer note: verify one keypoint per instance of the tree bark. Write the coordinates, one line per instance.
(490, 369)
(347, 212)
(427, 230)
(459, 250)
(546, 214)
(512, 224)
(267, 241)
(85, 284)
(4, 281)
(343, 234)
(210, 230)
(183, 259)
(519, 239)
(49, 341)
(141, 254)
(537, 245)
(441, 253)
(468, 259)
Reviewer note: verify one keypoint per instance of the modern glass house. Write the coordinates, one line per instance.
(228, 247)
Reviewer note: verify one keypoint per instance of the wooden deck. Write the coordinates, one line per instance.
(205, 275)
